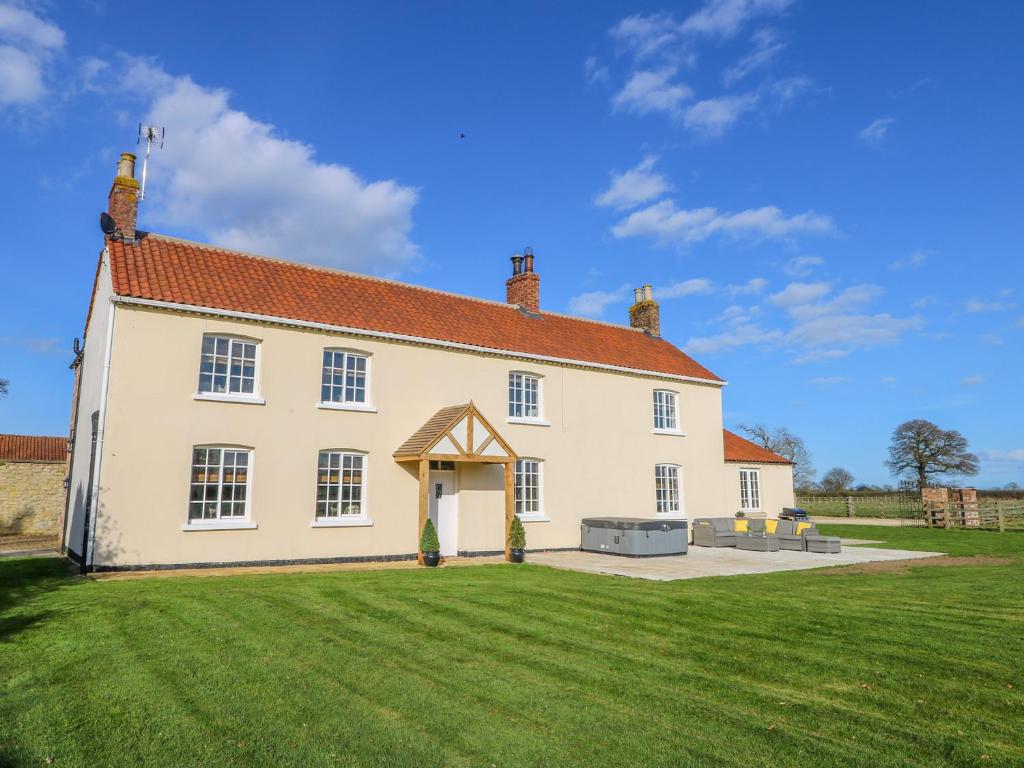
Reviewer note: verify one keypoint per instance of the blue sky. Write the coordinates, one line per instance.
(826, 197)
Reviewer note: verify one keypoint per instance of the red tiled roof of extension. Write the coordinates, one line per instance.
(164, 269)
(33, 448)
(739, 449)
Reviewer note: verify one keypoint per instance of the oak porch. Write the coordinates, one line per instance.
(458, 433)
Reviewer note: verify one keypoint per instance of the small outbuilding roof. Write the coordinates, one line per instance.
(740, 449)
(33, 448)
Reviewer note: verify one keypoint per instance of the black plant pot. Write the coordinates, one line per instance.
(517, 555)
(431, 559)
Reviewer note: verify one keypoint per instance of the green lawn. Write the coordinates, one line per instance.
(519, 666)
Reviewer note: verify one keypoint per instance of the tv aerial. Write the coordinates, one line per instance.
(152, 135)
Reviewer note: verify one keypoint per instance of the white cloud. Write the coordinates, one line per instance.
(823, 325)
(635, 186)
(992, 340)
(683, 288)
(913, 261)
(977, 306)
(594, 71)
(996, 454)
(28, 44)
(740, 335)
(753, 286)
(1020, 321)
(923, 302)
(973, 380)
(888, 379)
(799, 294)
(725, 18)
(668, 224)
(709, 118)
(235, 179)
(834, 335)
(594, 303)
(802, 266)
(766, 49)
(23, 26)
(876, 131)
(828, 381)
(645, 36)
(649, 91)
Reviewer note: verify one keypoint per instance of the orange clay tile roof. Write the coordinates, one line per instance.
(33, 448)
(738, 449)
(165, 269)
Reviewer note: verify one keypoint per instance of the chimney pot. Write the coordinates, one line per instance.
(638, 295)
(529, 260)
(517, 265)
(648, 293)
(126, 166)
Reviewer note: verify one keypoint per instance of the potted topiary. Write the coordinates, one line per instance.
(429, 545)
(516, 541)
(740, 515)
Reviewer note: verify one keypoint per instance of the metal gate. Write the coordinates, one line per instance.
(909, 508)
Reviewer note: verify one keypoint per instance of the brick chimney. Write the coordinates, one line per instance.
(523, 288)
(124, 196)
(644, 312)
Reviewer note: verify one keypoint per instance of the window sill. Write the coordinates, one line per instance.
(220, 525)
(531, 422)
(533, 519)
(362, 407)
(673, 432)
(356, 522)
(669, 516)
(218, 398)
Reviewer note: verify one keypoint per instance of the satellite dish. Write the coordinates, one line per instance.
(107, 223)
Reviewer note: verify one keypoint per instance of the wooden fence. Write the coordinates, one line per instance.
(985, 515)
(888, 505)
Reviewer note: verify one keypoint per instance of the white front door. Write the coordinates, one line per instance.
(444, 510)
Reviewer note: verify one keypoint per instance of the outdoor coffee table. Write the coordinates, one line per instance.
(823, 545)
(758, 543)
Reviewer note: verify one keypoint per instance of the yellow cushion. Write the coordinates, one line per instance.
(801, 527)
(771, 525)
(741, 526)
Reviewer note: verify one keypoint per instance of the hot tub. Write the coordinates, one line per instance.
(633, 536)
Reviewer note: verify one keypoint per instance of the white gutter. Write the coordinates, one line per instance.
(402, 337)
(94, 504)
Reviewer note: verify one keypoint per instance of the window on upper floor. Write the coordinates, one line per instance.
(524, 396)
(529, 487)
(341, 485)
(219, 488)
(666, 489)
(666, 412)
(228, 366)
(346, 378)
(750, 490)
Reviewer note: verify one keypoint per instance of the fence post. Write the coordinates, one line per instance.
(849, 506)
(999, 517)
(948, 516)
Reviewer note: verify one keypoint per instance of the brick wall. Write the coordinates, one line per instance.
(31, 497)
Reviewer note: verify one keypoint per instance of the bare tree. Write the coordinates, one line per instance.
(921, 450)
(836, 479)
(783, 442)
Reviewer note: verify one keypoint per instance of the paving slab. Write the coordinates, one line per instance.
(716, 561)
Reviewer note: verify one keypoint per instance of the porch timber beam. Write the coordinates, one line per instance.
(424, 489)
(510, 505)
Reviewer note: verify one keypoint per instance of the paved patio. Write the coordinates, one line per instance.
(720, 561)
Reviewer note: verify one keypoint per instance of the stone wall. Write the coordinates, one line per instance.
(31, 498)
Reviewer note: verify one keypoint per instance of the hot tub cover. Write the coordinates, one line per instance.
(634, 523)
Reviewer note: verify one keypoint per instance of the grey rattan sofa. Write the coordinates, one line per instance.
(721, 532)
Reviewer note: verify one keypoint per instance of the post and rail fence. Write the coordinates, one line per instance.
(985, 513)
